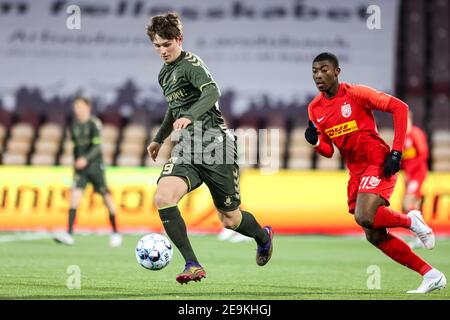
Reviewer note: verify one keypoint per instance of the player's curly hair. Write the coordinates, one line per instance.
(166, 26)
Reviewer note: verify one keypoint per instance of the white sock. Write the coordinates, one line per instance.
(433, 273)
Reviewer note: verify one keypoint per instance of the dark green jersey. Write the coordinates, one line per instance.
(182, 82)
(86, 140)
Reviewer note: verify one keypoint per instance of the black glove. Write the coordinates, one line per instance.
(392, 163)
(311, 133)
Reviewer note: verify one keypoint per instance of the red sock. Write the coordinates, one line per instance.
(387, 218)
(399, 251)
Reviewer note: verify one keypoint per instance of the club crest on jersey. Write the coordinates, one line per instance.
(346, 110)
(374, 181)
(228, 201)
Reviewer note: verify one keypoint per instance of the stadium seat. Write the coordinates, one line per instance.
(132, 149)
(22, 131)
(108, 149)
(42, 159)
(68, 146)
(66, 160)
(46, 146)
(440, 152)
(299, 163)
(442, 165)
(300, 151)
(135, 132)
(14, 159)
(124, 160)
(50, 132)
(18, 146)
(109, 133)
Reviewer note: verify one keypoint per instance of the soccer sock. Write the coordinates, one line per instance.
(250, 227)
(388, 218)
(176, 230)
(72, 214)
(399, 251)
(112, 220)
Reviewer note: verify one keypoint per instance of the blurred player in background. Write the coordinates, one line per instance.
(415, 166)
(341, 114)
(85, 132)
(192, 95)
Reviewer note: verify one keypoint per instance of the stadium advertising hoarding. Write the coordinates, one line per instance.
(34, 198)
(267, 45)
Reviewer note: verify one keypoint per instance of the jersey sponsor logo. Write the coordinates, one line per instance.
(369, 182)
(346, 110)
(342, 129)
(320, 119)
(179, 94)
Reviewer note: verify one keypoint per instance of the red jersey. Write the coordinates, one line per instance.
(347, 121)
(415, 151)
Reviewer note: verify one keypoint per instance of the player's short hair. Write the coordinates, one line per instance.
(166, 26)
(83, 99)
(326, 56)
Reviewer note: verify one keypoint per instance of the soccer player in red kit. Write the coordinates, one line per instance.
(341, 114)
(415, 167)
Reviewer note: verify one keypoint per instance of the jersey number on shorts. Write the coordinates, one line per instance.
(369, 182)
(167, 169)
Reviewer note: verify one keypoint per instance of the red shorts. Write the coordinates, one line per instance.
(414, 181)
(369, 181)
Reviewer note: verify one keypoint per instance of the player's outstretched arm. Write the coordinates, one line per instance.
(166, 127)
(399, 111)
(208, 98)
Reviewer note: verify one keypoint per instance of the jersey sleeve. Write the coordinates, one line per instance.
(325, 145)
(96, 129)
(197, 73)
(95, 150)
(373, 99)
(369, 97)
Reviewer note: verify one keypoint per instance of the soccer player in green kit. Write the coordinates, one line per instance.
(85, 132)
(192, 96)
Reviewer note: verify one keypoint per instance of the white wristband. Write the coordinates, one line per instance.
(317, 144)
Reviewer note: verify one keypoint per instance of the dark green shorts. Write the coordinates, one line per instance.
(221, 179)
(94, 174)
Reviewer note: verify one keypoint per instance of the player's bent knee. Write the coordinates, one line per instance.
(229, 224)
(375, 238)
(364, 221)
(164, 199)
(230, 219)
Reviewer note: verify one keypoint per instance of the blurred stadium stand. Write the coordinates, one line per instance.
(35, 132)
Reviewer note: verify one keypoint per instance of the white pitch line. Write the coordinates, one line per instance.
(25, 236)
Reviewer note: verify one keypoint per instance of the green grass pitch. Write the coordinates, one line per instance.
(302, 267)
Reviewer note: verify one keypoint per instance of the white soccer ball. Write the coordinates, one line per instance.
(154, 251)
